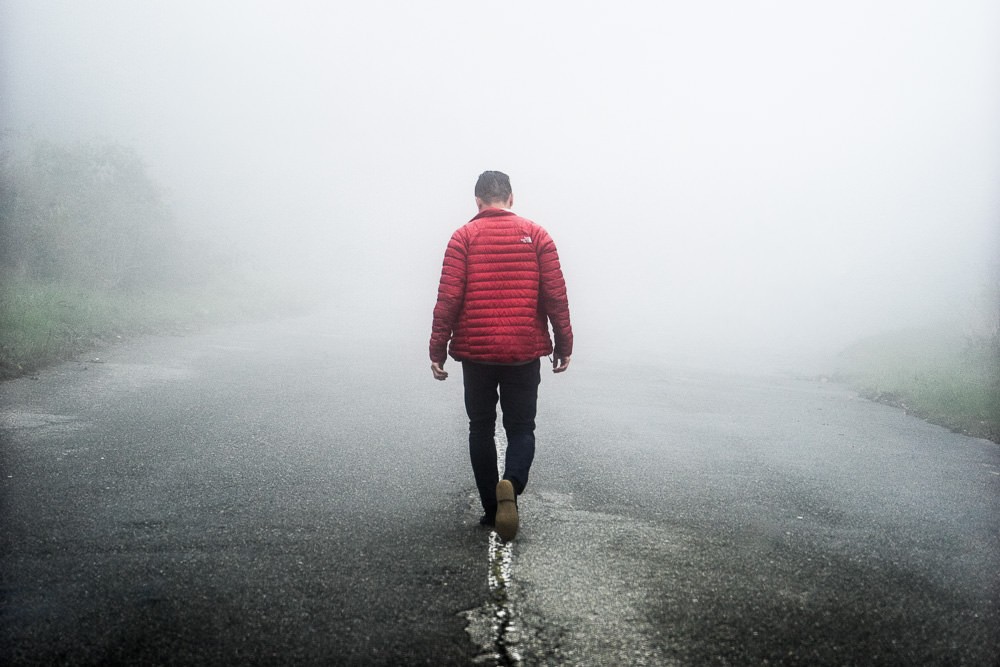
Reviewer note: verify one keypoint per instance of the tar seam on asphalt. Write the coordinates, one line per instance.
(505, 635)
(504, 628)
(493, 626)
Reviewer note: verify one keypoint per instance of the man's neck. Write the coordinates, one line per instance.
(503, 206)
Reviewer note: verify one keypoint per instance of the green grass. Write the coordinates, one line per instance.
(43, 323)
(938, 374)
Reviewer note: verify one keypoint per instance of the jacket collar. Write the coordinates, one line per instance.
(492, 213)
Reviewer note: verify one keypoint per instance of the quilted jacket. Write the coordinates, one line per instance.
(501, 284)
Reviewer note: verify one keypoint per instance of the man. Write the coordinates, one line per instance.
(501, 284)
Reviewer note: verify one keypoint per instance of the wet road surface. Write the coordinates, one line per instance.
(279, 493)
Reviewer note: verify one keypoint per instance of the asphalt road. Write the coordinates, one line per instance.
(281, 493)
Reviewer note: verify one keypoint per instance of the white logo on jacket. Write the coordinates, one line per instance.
(526, 239)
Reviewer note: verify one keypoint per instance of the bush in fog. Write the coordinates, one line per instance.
(89, 252)
(86, 214)
(941, 374)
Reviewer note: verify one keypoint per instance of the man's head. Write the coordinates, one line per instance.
(493, 190)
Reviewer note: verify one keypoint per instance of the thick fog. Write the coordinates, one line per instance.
(747, 177)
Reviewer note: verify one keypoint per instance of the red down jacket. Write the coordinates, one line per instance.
(500, 283)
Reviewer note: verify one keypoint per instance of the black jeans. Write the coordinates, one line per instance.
(518, 394)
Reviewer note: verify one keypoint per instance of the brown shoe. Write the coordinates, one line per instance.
(506, 521)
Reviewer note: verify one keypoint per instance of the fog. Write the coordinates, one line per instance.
(721, 178)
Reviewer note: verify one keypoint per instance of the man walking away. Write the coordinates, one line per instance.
(501, 285)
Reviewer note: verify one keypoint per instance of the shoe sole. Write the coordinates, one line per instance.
(506, 520)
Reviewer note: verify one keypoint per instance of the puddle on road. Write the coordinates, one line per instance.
(17, 419)
(38, 425)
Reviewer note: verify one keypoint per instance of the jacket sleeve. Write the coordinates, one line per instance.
(451, 294)
(552, 294)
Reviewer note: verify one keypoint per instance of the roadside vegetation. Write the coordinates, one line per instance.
(946, 375)
(90, 252)
(43, 323)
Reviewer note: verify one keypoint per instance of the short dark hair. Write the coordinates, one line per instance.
(493, 187)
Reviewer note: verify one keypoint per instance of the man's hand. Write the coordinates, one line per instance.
(439, 372)
(559, 364)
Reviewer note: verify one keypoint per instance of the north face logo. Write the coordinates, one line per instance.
(526, 239)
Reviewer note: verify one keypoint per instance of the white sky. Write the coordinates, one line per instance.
(737, 173)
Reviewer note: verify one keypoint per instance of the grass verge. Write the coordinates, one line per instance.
(937, 374)
(44, 323)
